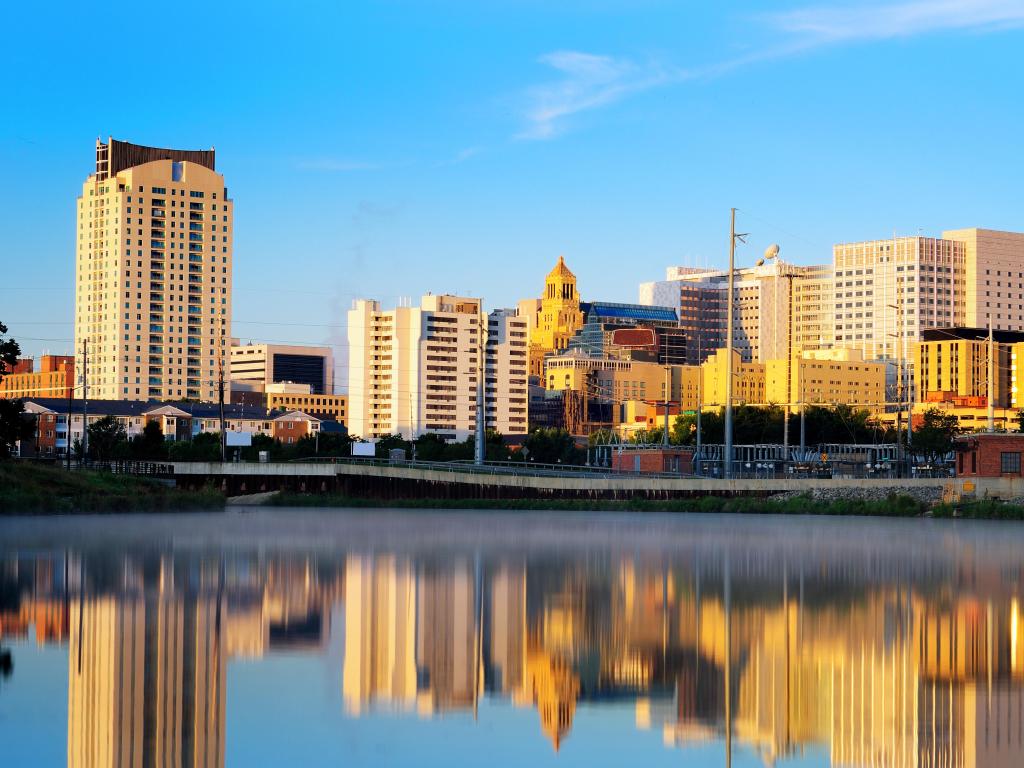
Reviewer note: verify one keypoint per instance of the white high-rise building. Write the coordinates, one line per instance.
(153, 274)
(887, 290)
(414, 370)
(506, 378)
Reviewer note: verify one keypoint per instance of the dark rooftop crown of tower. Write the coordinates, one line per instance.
(115, 156)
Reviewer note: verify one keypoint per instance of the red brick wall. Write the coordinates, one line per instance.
(981, 455)
(653, 461)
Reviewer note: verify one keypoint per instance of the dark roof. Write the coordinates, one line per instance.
(139, 407)
(602, 309)
(334, 427)
(971, 334)
(119, 155)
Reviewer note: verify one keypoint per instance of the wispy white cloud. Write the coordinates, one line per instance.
(588, 81)
(336, 165)
(468, 152)
(879, 21)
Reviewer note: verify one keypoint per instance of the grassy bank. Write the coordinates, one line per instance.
(982, 509)
(894, 506)
(37, 489)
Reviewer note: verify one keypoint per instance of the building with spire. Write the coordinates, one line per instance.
(554, 318)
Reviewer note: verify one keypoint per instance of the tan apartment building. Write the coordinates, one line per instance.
(415, 370)
(825, 377)
(55, 377)
(153, 266)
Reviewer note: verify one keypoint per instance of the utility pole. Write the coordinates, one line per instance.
(67, 432)
(991, 383)
(727, 458)
(803, 431)
(85, 403)
(481, 411)
(668, 385)
(789, 369)
(700, 398)
(220, 400)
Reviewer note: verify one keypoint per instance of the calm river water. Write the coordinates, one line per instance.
(386, 638)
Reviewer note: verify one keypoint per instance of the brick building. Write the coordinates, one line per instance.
(54, 378)
(995, 454)
(653, 460)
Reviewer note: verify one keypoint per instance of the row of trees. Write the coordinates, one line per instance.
(541, 446)
(108, 441)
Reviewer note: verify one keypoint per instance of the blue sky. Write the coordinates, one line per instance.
(392, 148)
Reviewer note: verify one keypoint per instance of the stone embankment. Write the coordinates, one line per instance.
(929, 495)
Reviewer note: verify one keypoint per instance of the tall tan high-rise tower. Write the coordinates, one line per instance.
(153, 274)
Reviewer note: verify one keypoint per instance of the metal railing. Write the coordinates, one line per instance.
(515, 468)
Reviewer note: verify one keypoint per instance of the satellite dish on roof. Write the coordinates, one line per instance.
(771, 251)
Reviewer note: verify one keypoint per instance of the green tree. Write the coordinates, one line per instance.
(14, 425)
(327, 444)
(648, 436)
(260, 442)
(203, 447)
(933, 439)
(712, 428)
(9, 352)
(389, 442)
(553, 446)
(430, 447)
(105, 437)
(150, 445)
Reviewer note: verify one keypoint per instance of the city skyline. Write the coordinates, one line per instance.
(514, 161)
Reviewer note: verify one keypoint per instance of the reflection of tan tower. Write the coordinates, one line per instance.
(204, 661)
(380, 633)
(146, 682)
(558, 317)
(105, 682)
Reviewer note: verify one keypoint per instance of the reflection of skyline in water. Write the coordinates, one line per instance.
(891, 661)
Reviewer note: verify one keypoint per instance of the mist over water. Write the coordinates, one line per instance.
(384, 637)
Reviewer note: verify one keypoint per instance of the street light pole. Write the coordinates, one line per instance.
(733, 237)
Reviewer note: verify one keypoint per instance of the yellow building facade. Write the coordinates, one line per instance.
(953, 369)
(825, 377)
(556, 317)
(748, 381)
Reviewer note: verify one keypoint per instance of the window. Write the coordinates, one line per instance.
(1009, 463)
